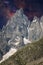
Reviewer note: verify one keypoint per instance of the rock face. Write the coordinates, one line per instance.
(35, 30)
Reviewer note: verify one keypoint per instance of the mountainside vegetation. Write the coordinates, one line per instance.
(31, 54)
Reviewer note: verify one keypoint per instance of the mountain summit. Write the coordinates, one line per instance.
(16, 27)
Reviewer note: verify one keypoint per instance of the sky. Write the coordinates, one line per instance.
(8, 8)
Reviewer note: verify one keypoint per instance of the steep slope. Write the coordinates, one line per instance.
(31, 54)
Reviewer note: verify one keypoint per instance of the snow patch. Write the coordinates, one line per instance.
(26, 41)
(9, 54)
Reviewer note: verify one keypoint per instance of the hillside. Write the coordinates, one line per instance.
(31, 54)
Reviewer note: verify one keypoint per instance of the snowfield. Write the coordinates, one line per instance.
(8, 54)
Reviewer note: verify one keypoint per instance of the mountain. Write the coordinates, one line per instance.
(20, 31)
(17, 23)
(16, 28)
(19, 27)
(31, 54)
(13, 33)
